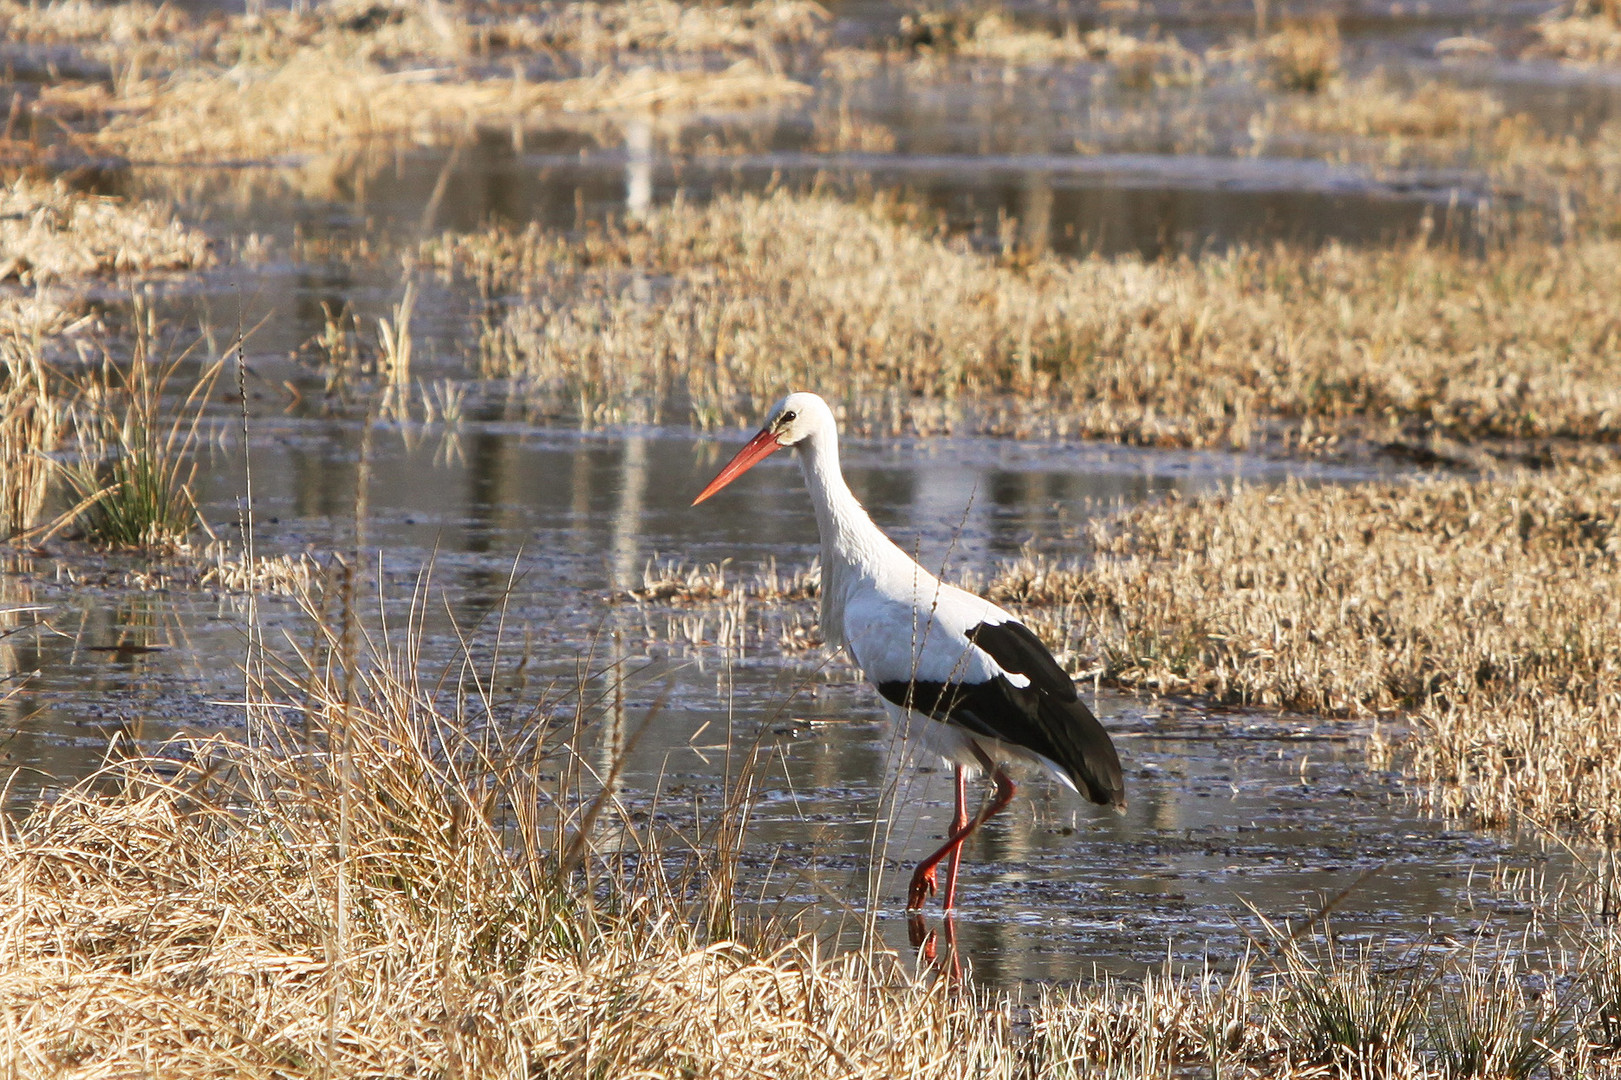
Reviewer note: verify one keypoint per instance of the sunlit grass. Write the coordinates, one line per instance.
(1482, 613)
(378, 880)
(904, 329)
(33, 409)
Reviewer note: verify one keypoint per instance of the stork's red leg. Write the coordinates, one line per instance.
(923, 880)
(959, 822)
(959, 818)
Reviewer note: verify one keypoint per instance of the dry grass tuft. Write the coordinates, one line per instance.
(31, 403)
(1303, 57)
(1376, 108)
(598, 31)
(1582, 32)
(1138, 62)
(59, 22)
(50, 233)
(1487, 611)
(263, 113)
(728, 304)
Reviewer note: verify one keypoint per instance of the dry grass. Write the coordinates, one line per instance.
(603, 31)
(60, 22)
(1303, 57)
(49, 233)
(380, 884)
(905, 329)
(262, 113)
(1376, 108)
(406, 29)
(237, 88)
(1483, 612)
(33, 407)
(1139, 62)
(53, 239)
(1582, 31)
(377, 882)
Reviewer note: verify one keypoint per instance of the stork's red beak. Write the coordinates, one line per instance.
(754, 451)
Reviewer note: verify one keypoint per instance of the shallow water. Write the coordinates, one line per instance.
(1227, 810)
(1232, 815)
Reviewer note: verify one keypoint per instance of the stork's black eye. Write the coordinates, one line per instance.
(787, 418)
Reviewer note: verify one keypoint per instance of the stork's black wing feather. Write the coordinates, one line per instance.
(1047, 716)
(1015, 648)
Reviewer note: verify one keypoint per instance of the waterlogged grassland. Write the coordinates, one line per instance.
(365, 887)
(1484, 614)
(707, 313)
(371, 887)
(1476, 618)
(54, 242)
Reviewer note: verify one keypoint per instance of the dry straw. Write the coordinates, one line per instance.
(1485, 614)
(238, 88)
(50, 233)
(906, 329)
(386, 884)
(1581, 31)
(53, 238)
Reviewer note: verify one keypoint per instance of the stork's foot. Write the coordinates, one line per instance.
(924, 885)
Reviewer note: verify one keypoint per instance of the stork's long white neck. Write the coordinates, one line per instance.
(853, 548)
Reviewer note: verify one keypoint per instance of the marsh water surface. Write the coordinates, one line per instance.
(1233, 815)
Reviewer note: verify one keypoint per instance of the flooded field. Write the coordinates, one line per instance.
(511, 287)
(547, 531)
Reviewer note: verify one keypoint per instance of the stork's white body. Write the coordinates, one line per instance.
(897, 621)
(957, 673)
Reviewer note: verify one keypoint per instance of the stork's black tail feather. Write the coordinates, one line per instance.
(1083, 748)
(1047, 716)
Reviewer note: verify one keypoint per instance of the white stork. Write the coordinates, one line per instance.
(955, 671)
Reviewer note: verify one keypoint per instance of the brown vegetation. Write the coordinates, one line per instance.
(1484, 613)
(238, 88)
(264, 112)
(370, 883)
(1582, 31)
(993, 34)
(49, 233)
(1374, 107)
(33, 411)
(52, 238)
(1303, 57)
(906, 329)
(365, 886)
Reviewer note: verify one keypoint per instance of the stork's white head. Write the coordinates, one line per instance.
(791, 421)
(797, 417)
